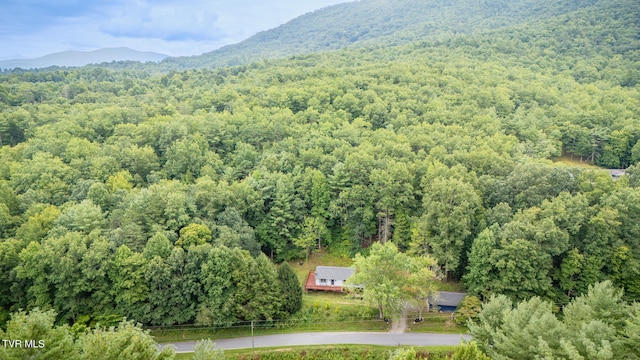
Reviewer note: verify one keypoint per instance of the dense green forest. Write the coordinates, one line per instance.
(596, 325)
(376, 23)
(164, 198)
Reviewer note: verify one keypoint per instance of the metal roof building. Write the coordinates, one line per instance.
(447, 301)
(328, 278)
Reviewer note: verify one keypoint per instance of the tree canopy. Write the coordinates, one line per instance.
(390, 279)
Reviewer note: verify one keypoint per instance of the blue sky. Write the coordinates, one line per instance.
(33, 28)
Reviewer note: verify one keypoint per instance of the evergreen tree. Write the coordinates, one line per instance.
(451, 220)
(469, 351)
(402, 230)
(631, 335)
(127, 341)
(597, 325)
(278, 226)
(291, 291)
(480, 272)
(38, 325)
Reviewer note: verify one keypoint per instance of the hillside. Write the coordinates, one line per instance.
(81, 58)
(379, 23)
(156, 197)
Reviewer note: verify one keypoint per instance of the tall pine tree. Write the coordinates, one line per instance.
(291, 290)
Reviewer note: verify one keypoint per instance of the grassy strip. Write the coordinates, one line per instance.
(320, 312)
(374, 351)
(575, 162)
(449, 286)
(185, 334)
(434, 323)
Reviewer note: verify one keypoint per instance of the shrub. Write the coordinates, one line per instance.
(468, 310)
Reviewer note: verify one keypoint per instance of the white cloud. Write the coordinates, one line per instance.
(164, 21)
(176, 28)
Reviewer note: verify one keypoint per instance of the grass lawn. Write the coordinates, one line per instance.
(449, 286)
(234, 354)
(322, 298)
(434, 323)
(325, 311)
(567, 160)
(187, 333)
(197, 333)
(319, 257)
(322, 257)
(321, 311)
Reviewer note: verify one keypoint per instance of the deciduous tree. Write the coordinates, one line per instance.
(390, 278)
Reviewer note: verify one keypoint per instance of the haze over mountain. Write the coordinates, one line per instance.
(368, 23)
(81, 58)
(379, 23)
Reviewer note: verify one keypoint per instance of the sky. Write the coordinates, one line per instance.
(33, 28)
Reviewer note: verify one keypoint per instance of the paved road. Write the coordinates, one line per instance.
(330, 338)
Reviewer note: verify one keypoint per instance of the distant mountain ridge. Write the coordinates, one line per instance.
(81, 58)
(358, 24)
(379, 23)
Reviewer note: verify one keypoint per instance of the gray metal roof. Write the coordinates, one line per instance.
(334, 272)
(449, 298)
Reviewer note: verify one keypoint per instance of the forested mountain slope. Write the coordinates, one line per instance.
(380, 22)
(125, 193)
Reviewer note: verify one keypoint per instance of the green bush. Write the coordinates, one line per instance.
(468, 310)
(469, 351)
(344, 353)
(403, 354)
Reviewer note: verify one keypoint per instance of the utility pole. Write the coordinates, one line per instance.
(252, 343)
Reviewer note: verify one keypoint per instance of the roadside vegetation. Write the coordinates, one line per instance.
(340, 352)
(321, 311)
(596, 325)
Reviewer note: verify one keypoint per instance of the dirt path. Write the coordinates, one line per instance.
(399, 325)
